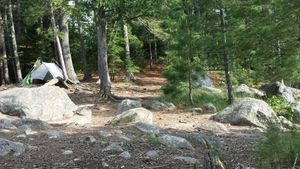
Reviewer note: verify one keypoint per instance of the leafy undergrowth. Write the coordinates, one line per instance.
(279, 149)
(200, 97)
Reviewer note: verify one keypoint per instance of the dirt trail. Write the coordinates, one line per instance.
(43, 152)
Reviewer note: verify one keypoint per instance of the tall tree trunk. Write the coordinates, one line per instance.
(3, 55)
(87, 75)
(197, 8)
(19, 26)
(155, 50)
(14, 44)
(226, 58)
(105, 84)
(57, 42)
(9, 44)
(150, 53)
(66, 49)
(129, 75)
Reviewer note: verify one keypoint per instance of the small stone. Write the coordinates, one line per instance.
(147, 128)
(21, 136)
(125, 155)
(188, 160)
(209, 108)
(27, 130)
(105, 133)
(104, 164)
(7, 147)
(113, 147)
(175, 142)
(67, 152)
(89, 140)
(152, 154)
(55, 134)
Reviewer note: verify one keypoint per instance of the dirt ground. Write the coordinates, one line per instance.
(42, 152)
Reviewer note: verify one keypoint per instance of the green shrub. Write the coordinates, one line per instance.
(278, 150)
(179, 96)
(153, 140)
(281, 107)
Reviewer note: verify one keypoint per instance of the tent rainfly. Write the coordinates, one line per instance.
(43, 71)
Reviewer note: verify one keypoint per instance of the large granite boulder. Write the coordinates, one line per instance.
(136, 115)
(248, 111)
(47, 103)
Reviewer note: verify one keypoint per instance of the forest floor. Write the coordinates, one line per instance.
(43, 152)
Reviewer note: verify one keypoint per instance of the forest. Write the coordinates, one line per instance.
(224, 66)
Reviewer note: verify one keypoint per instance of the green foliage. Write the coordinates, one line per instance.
(281, 107)
(179, 96)
(153, 140)
(278, 150)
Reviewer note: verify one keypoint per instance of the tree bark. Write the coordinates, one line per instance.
(3, 55)
(150, 53)
(19, 26)
(226, 58)
(105, 84)
(14, 45)
(87, 75)
(66, 49)
(129, 75)
(155, 50)
(57, 41)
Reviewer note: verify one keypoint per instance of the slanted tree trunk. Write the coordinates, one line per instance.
(14, 44)
(129, 75)
(87, 75)
(105, 84)
(3, 56)
(226, 58)
(57, 42)
(66, 49)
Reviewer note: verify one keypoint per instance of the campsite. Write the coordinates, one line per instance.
(164, 84)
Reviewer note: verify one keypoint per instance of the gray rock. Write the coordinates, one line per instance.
(161, 106)
(48, 103)
(296, 110)
(175, 142)
(113, 147)
(55, 134)
(147, 128)
(212, 89)
(188, 160)
(202, 81)
(33, 124)
(152, 154)
(285, 122)
(27, 130)
(67, 152)
(195, 110)
(89, 140)
(209, 108)
(215, 128)
(5, 124)
(248, 111)
(134, 116)
(128, 104)
(104, 164)
(7, 147)
(105, 133)
(82, 116)
(243, 89)
(125, 155)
